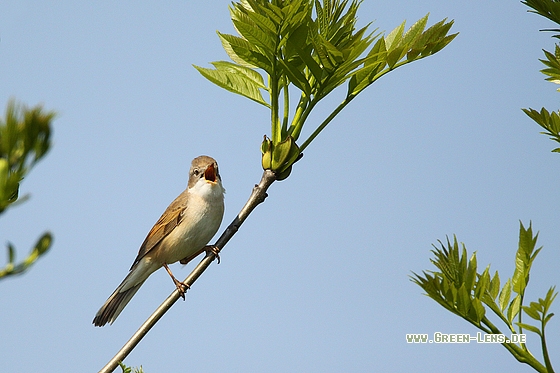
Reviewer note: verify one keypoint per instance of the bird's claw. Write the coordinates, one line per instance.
(181, 288)
(214, 250)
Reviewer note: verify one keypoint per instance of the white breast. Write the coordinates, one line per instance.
(200, 222)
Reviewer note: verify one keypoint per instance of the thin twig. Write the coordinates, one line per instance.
(257, 197)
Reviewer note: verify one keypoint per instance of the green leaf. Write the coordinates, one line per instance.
(335, 55)
(463, 301)
(549, 298)
(271, 11)
(492, 304)
(482, 284)
(11, 253)
(505, 295)
(361, 79)
(528, 327)
(532, 312)
(514, 307)
(395, 55)
(547, 318)
(470, 275)
(546, 303)
(265, 23)
(43, 245)
(444, 41)
(524, 258)
(431, 41)
(375, 61)
(296, 77)
(240, 43)
(242, 52)
(255, 36)
(379, 51)
(237, 79)
(495, 285)
(415, 30)
(477, 311)
(394, 38)
(252, 76)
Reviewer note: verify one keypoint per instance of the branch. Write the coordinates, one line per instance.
(257, 197)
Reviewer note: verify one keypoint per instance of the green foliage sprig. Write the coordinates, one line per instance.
(24, 139)
(315, 47)
(41, 247)
(459, 288)
(549, 121)
(127, 369)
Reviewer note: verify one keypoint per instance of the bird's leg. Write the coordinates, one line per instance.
(181, 287)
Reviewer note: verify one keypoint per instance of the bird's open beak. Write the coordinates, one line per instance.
(210, 173)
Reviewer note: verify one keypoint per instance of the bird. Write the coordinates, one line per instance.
(181, 234)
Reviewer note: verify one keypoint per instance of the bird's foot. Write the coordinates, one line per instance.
(181, 286)
(214, 250)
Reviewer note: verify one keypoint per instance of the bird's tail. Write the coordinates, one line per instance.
(115, 304)
(139, 272)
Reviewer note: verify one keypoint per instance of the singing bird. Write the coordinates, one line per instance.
(180, 234)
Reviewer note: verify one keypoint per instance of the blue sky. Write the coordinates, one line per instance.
(317, 279)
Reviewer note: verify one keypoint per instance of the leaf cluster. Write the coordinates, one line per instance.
(455, 286)
(547, 8)
(127, 369)
(549, 121)
(314, 46)
(24, 139)
(459, 288)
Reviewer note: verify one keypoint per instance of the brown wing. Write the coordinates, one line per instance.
(166, 223)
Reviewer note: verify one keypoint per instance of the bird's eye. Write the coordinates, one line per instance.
(196, 172)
